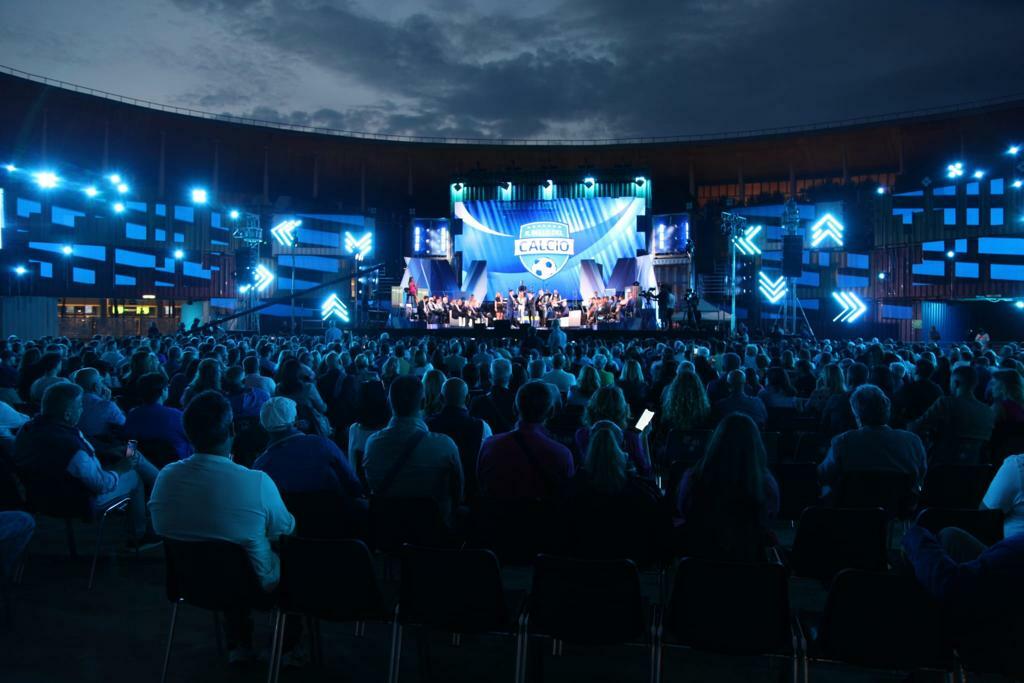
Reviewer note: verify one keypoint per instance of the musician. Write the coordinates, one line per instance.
(459, 313)
(410, 291)
(473, 308)
(531, 307)
(499, 306)
(421, 308)
(692, 308)
(557, 304)
(542, 307)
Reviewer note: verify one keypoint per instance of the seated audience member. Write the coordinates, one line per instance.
(433, 402)
(1007, 401)
(558, 376)
(719, 388)
(16, 529)
(208, 497)
(588, 381)
(915, 397)
(1006, 493)
(805, 382)
(608, 404)
(837, 416)
(634, 386)
(208, 378)
(56, 460)
(525, 462)
(976, 586)
(302, 463)
(959, 425)
(371, 417)
(152, 420)
(48, 370)
(726, 501)
(253, 378)
(405, 460)
(831, 382)
(684, 405)
(779, 392)
(10, 421)
(100, 416)
(245, 401)
(466, 431)
(498, 406)
(739, 402)
(873, 446)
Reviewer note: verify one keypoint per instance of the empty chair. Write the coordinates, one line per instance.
(456, 591)
(585, 602)
(882, 621)
(812, 447)
(329, 580)
(211, 575)
(730, 608)
(891, 491)
(829, 540)
(517, 529)
(798, 489)
(396, 521)
(956, 486)
(984, 525)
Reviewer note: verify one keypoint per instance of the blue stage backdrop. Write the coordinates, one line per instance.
(542, 243)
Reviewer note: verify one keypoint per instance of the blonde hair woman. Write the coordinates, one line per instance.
(608, 403)
(685, 404)
(433, 401)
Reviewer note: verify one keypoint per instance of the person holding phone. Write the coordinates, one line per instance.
(609, 403)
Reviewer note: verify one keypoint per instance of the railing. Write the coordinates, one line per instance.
(533, 142)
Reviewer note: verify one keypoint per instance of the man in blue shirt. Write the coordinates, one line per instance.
(302, 463)
(738, 402)
(101, 417)
(153, 421)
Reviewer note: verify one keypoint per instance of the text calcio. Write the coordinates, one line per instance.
(545, 245)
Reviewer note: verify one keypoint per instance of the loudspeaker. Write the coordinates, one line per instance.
(792, 255)
(643, 223)
(503, 326)
(456, 226)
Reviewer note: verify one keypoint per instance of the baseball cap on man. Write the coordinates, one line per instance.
(277, 413)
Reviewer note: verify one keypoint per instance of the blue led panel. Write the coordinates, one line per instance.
(1011, 246)
(65, 217)
(969, 270)
(857, 261)
(1003, 271)
(995, 216)
(83, 276)
(892, 312)
(124, 280)
(135, 231)
(973, 216)
(847, 281)
(929, 268)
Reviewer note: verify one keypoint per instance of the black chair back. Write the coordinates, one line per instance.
(730, 607)
(455, 590)
(984, 525)
(884, 621)
(396, 521)
(685, 445)
(798, 489)
(590, 602)
(214, 575)
(517, 530)
(812, 447)
(64, 497)
(250, 440)
(613, 527)
(891, 491)
(325, 514)
(781, 419)
(160, 452)
(331, 579)
(956, 486)
(829, 540)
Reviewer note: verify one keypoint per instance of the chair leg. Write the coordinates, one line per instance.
(396, 650)
(69, 528)
(99, 546)
(218, 632)
(170, 641)
(524, 651)
(276, 645)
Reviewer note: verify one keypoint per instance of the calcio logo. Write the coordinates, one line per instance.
(544, 247)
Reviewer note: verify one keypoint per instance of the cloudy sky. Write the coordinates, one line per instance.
(528, 68)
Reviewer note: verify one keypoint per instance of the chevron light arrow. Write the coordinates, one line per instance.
(745, 242)
(853, 307)
(262, 278)
(360, 246)
(284, 232)
(773, 290)
(333, 306)
(827, 227)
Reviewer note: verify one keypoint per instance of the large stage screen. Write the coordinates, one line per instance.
(542, 243)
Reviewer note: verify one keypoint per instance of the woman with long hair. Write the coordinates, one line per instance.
(831, 382)
(433, 401)
(779, 391)
(728, 498)
(587, 382)
(1008, 399)
(371, 416)
(634, 386)
(208, 377)
(684, 405)
(608, 403)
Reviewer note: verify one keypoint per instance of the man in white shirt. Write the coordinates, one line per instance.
(405, 460)
(253, 378)
(208, 497)
(559, 377)
(10, 421)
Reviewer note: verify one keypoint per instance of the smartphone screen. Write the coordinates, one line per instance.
(644, 420)
(132, 448)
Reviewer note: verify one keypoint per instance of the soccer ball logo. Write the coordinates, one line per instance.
(543, 267)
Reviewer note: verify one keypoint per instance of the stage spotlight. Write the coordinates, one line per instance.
(91, 192)
(67, 250)
(1016, 184)
(199, 195)
(1013, 150)
(20, 270)
(880, 189)
(955, 170)
(47, 180)
(457, 187)
(1019, 304)
(548, 183)
(506, 186)
(950, 254)
(179, 254)
(119, 207)
(234, 214)
(639, 180)
(881, 276)
(11, 168)
(979, 174)
(589, 182)
(122, 188)
(114, 178)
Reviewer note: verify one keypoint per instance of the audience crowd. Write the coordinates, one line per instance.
(220, 438)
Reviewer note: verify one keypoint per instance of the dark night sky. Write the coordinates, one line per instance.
(528, 68)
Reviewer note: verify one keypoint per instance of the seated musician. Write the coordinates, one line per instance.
(458, 313)
(473, 308)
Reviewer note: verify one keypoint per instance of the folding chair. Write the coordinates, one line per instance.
(829, 540)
